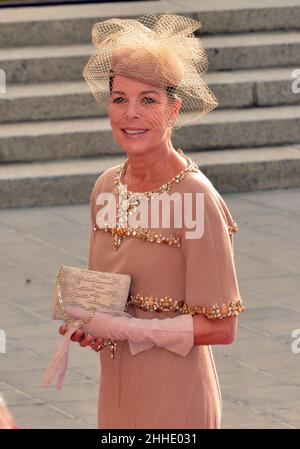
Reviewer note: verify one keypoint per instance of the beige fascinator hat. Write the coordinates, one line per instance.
(160, 50)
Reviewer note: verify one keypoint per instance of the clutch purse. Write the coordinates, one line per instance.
(92, 290)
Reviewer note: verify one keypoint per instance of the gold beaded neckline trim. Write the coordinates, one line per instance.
(192, 166)
(146, 234)
(128, 205)
(129, 201)
(119, 234)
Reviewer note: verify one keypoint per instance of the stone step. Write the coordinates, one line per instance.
(71, 24)
(73, 99)
(90, 137)
(71, 181)
(225, 52)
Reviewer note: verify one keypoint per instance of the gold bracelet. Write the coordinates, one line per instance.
(111, 344)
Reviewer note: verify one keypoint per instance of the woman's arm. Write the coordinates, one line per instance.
(206, 332)
(214, 332)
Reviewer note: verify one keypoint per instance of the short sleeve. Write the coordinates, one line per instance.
(211, 285)
(98, 187)
(92, 232)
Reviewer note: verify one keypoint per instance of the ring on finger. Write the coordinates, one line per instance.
(93, 346)
(82, 337)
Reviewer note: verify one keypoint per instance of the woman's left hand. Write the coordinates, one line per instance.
(106, 325)
(81, 337)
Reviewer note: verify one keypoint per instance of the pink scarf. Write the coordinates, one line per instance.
(60, 357)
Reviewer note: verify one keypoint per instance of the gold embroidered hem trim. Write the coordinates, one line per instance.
(145, 234)
(233, 229)
(155, 304)
(231, 308)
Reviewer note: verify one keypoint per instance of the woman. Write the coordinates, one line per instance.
(152, 69)
(6, 420)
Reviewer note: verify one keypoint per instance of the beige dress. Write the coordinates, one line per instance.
(157, 388)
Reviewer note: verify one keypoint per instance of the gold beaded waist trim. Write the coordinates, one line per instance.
(154, 304)
(144, 233)
(148, 235)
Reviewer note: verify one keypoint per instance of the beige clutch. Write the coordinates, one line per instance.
(92, 290)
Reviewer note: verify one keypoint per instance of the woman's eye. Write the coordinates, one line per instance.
(116, 100)
(149, 100)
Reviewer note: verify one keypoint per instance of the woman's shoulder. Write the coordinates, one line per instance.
(105, 181)
(198, 182)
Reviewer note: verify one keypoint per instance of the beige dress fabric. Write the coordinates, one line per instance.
(157, 388)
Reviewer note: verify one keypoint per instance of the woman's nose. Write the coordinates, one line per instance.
(132, 110)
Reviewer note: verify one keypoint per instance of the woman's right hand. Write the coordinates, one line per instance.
(81, 337)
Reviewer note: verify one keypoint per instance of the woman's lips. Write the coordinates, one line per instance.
(135, 135)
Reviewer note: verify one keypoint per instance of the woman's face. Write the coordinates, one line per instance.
(134, 105)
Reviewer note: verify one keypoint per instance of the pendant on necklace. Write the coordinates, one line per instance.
(117, 241)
